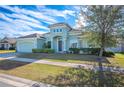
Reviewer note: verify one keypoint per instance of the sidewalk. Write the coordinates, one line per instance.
(47, 62)
(75, 65)
(20, 82)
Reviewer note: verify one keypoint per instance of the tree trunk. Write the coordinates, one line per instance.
(101, 51)
(102, 44)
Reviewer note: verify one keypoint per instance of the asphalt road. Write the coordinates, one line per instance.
(5, 85)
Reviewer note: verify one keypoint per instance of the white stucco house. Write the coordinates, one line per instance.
(60, 36)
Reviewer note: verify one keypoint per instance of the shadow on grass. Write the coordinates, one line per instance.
(8, 65)
(80, 77)
(64, 57)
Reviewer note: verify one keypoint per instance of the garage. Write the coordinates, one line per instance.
(25, 44)
(25, 47)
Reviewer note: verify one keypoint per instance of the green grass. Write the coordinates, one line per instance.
(68, 58)
(117, 60)
(61, 76)
(6, 51)
(33, 71)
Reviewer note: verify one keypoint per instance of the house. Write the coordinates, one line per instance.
(7, 43)
(119, 46)
(61, 37)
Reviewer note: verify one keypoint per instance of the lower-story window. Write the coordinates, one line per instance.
(48, 44)
(74, 45)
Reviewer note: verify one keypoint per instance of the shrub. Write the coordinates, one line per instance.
(74, 50)
(80, 77)
(36, 50)
(12, 48)
(93, 51)
(108, 54)
(46, 50)
(2, 48)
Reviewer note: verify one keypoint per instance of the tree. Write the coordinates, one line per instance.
(103, 22)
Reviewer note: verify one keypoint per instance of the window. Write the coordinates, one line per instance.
(57, 30)
(74, 45)
(60, 30)
(47, 44)
(54, 30)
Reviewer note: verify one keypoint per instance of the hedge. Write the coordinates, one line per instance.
(46, 50)
(108, 54)
(94, 51)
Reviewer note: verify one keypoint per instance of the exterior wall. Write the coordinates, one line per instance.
(72, 39)
(40, 43)
(114, 49)
(55, 34)
(84, 43)
(119, 47)
(68, 38)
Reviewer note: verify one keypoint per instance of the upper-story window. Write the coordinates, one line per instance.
(57, 30)
(60, 30)
(54, 30)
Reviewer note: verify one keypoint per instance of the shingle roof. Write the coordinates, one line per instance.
(35, 35)
(60, 24)
(8, 40)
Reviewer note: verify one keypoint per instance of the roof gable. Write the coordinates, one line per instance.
(35, 35)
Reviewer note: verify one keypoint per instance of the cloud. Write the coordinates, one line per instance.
(54, 12)
(23, 21)
(16, 30)
(2, 16)
(23, 17)
(35, 14)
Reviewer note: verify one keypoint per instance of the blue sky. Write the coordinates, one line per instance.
(18, 20)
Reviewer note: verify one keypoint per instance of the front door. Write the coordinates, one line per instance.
(3, 47)
(60, 45)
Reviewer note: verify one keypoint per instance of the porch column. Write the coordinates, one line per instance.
(64, 44)
(79, 42)
(51, 43)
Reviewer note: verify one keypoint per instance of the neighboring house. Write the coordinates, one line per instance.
(119, 46)
(61, 37)
(7, 43)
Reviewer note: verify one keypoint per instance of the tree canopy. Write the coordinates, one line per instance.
(104, 22)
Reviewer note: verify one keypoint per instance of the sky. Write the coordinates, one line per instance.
(20, 20)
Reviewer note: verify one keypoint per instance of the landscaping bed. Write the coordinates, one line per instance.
(7, 51)
(79, 77)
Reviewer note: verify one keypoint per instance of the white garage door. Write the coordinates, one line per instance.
(25, 47)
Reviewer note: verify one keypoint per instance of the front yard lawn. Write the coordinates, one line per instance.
(117, 60)
(61, 76)
(71, 58)
(7, 51)
(33, 71)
